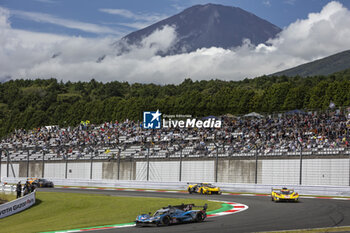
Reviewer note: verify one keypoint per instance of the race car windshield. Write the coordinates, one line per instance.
(209, 185)
(159, 212)
(286, 192)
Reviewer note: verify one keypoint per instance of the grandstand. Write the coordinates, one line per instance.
(312, 134)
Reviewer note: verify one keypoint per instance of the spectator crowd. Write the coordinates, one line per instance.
(288, 132)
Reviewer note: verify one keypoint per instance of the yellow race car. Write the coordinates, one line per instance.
(40, 183)
(203, 188)
(284, 194)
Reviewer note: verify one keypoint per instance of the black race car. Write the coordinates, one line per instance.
(172, 214)
(42, 183)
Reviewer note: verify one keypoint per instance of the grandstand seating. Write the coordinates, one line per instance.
(318, 135)
(137, 152)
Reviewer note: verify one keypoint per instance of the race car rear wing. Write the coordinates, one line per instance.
(199, 183)
(186, 207)
(274, 189)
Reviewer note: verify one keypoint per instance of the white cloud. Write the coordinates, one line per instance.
(4, 15)
(319, 35)
(267, 3)
(137, 16)
(136, 25)
(141, 20)
(290, 2)
(28, 55)
(46, 1)
(46, 18)
(178, 7)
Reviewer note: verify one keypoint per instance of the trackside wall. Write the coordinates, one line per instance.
(127, 170)
(55, 170)
(82, 170)
(35, 169)
(15, 170)
(279, 171)
(3, 170)
(238, 171)
(326, 172)
(195, 171)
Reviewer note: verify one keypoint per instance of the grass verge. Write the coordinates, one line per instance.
(6, 197)
(60, 211)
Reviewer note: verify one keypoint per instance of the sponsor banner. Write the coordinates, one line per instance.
(17, 205)
(192, 123)
(153, 120)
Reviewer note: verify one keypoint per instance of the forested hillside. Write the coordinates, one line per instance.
(33, 103)
(325, 66)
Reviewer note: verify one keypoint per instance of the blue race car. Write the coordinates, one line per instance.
(172, 214)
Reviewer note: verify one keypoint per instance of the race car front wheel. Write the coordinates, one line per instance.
(199, 217)
(138, 224)
(166, 221)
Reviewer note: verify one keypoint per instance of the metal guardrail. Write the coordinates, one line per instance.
(7, 187)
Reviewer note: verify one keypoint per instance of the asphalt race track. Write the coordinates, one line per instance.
(262, 214)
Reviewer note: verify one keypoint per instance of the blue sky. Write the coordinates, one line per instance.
(64, 39)
(96, 18)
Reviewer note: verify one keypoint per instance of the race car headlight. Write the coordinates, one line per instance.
(141, 217)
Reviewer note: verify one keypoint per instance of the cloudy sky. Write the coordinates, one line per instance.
(64, 39)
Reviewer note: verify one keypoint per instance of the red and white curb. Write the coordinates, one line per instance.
(236, 208)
